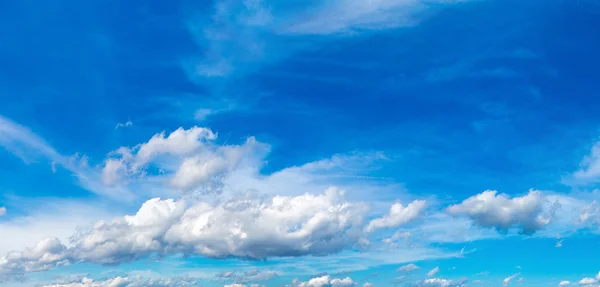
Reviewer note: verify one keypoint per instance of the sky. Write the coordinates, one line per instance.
(299, 143)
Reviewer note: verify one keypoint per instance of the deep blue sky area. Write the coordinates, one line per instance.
(393, 101)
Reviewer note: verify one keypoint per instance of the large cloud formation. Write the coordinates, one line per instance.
(244, 227)
(489, 209)
(129, 282)
(325, 281)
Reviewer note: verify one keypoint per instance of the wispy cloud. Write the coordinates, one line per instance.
(28, 146)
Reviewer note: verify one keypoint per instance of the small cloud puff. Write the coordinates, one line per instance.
(489, 209)
(408, 268)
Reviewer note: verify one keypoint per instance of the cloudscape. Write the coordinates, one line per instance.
(259, 143)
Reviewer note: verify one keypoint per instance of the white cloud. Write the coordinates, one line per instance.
(398, 215)
(2, 211)
(244, 35)
(587, 281)
(23, 143)
(42, 218)
(202, 114)
(408, 268)
(245, 277)
(433, 271)
(564, 283)
(368, 284)
(292, 226)
(559, 243)
(490, 209)
(589, 171)
(28, 146)
(187, 159)
(440, 282)
(348, 16)
(508, 279)
(326, 281)
(123, 125)
(136, 281)
(590, 214)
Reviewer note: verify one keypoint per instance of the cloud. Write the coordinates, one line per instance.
(398, 215)
(123, 125)
(589, 281)
(136, 281)
(590, 214)
(508, 279)
(559, 243)
(245, 277)
(490, 209)
(564, 283)
(41, 218)
(367, 284)
(433, 271)
(408, 268)
(188, 159)
(589, 168)
(351, 16)
(440, 282)
(2, 211)
(245, 35)
(20, 141)
(244, 227)
(23, 143)
(325, 281)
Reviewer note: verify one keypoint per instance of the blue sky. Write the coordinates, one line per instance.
(299, 143)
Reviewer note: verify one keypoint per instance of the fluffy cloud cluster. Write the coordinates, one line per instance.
(590, 282)
(325, 281)
(254, 275)
(398, 215)
(489, 209)
(440, 282)
(128, 282)
(187, 158)
(244, 227)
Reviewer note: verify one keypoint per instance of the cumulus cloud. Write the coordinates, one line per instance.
(398, 215)
(489, 209)
(136, 281)
(188, 158)
(440, 282)
(245, 277)
(2, 211)
(368, 284)
(433, 271)
(564, 283)
(508, 279)
(408, 268)
(590, 281)
(245, 227)
(325, 281)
